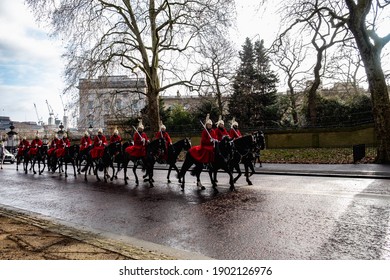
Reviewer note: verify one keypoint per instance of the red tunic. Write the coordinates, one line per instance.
(168, 141)
(115, 138)
(85, 142)
(98, 146)
(139, 148)
(61, 144)
(221, 132)
(34, 146)
(53, 145)
(23, 145)
(234, 133)
(205, 151)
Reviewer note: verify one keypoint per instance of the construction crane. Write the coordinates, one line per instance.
(40, 122)
(65, 117)
(51, 113)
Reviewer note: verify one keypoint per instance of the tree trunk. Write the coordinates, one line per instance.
(370, 54)
(153, 110)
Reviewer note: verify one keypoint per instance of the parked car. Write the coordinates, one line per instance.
(9, 157)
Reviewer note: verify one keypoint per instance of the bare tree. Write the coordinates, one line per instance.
(363, 19)
(218, 68)
(346, 67)
(153, 37)
(289, 56)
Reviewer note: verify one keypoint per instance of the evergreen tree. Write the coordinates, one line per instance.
(253, 101)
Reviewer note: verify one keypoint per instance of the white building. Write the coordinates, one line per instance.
(109, 100)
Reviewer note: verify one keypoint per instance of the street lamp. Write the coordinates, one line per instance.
(11, 139)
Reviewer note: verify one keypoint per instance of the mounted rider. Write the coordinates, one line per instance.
(35, 144)
(53, 145)
(140, 138)
(205, 151)
(99, 143)
(162, 133)
(23, 146)
(85, 141)
(220, 130)
(62, 143)
(115, 137)
(234, 132)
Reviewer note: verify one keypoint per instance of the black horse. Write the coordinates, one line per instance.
(244, 148)
(70, 156)
(153, 149)
(173, 153)
(40, 158)
(222, 157)
(82, 156)
(103, 163)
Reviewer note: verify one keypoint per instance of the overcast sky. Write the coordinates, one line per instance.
(31, 68)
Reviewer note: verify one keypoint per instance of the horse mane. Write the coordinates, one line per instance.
(243, 144)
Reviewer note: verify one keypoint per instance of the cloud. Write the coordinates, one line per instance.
(30, 65)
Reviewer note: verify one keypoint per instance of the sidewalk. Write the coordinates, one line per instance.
(24, 237)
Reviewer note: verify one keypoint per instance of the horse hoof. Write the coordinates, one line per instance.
(250, 183)
(202, 188)
(169, 181)
(233, 189)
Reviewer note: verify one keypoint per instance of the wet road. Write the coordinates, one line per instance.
(279, 217)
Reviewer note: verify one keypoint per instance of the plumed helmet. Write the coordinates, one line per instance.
(234, 123)
(140, 125)
(100, 131)
(86, 133)
(162, 126)
(116, 132)
(208, 121)
(37, 135)
(24, 138)
(65, 135)
(220, 121)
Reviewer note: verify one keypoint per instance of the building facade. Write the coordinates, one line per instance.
(108, 100)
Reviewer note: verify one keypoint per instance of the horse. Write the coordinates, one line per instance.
(69, 157)
(20, 157)
(222, 156)
(173, 152)
(81, 157)
(101, 164)
(244, 148)
(243, 153)
(40, 157)
(260, 146)
(153, 149)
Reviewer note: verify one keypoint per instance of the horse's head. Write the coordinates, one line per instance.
(114, 148)
(156, 146)
(186, 144)
(259, 139)
(244, 144)
(225, 146)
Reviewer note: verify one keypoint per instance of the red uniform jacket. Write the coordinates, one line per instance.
(221, 132)
(139, 148)
(234, 133)
(115, 138)
(23, 145)
(85, 142)
(205, 151)
(34, 146)
(98, 146)
(168, 141)
(61, 144)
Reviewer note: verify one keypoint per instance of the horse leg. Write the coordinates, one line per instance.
(169, 173)
(188, 162)
(246, 166)
(239, 173)
(135, 173)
